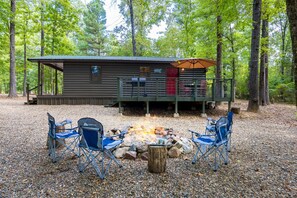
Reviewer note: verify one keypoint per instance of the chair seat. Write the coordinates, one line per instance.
(69, 134)
(204, 140)
(107, 144)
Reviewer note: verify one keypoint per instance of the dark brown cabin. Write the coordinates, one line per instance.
(102, 80)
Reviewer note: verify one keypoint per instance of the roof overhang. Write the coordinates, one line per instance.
(55, 65)
(57, 62)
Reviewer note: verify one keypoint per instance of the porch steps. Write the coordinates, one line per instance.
(32, 101)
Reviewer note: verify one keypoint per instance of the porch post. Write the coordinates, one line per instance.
(147, 109)
(56, 83)
(176, 98)
(203, 114)
(120, 108)
(38, 80)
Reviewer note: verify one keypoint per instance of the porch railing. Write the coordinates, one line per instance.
(28, 91)
(166, 89)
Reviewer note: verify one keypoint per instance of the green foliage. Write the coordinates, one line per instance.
(284, 92)
(61, 18)
(93, 40)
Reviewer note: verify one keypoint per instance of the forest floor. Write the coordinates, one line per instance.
(263, 159)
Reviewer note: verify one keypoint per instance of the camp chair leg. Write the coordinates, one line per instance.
(112, 157)
(229, 143)
(226, 153)
(196, 154)
(52, 149)
(215, 160)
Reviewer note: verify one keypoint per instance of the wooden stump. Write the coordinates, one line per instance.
(235, 110)
(157, 155)
(58, 130)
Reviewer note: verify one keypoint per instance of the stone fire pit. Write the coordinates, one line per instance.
(138, 138)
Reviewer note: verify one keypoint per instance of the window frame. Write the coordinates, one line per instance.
(144, 71)
(95, 79)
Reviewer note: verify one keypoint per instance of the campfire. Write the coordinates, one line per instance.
(138, 138)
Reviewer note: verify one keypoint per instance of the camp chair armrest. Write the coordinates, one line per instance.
(70, 129)
(64, 122)
(211, 121)
(121, 135)
(194, 133)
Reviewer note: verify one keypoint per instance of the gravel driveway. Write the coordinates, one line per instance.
(263, 160)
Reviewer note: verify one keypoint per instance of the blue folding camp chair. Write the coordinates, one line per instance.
(95, 148)
(210, 127)
(212, 147)
(65, 137)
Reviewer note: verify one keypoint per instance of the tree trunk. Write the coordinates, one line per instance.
(233, 61)
(25, 67)
(219, 59)
(263, 63)
(12, 87)
(267, 99)
(42, 48)
(292, 15)
(283, 47)
(254, 60)
(132, 27)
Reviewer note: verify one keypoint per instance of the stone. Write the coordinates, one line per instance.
(186, 145)
(176, 115)
(132, 147)
(162, 141)
(128, 141)
(174, 152)
(144, 156)
(203, 115)
(130, 155)
(120, 152)
(179, 144)
(158, 130)
(141, 147)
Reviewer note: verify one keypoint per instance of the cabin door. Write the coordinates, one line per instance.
(171, 77)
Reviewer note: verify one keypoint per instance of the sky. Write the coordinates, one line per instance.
(114, 18)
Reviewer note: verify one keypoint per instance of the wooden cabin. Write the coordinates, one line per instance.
(103, 80)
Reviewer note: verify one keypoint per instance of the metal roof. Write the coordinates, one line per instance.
(57, 61)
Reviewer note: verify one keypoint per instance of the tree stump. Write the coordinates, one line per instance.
(58, 130)
(235, 110)
(157, 155)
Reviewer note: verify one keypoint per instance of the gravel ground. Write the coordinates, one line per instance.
(263, 160)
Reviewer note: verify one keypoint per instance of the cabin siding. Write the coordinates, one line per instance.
(77, 77)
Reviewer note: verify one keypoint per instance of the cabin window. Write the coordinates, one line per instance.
(96, 73)
(144, 71)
